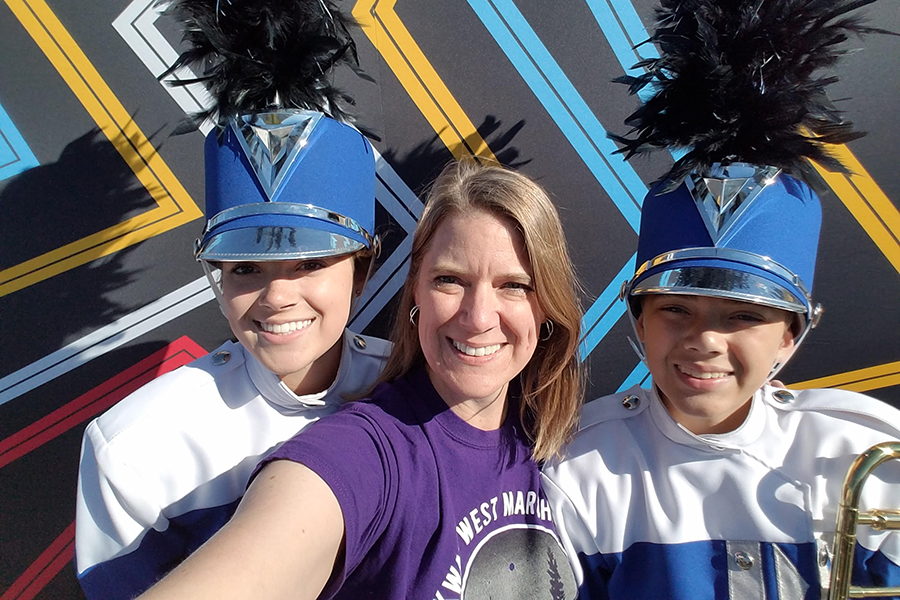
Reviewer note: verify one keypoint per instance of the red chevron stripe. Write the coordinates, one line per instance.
(178, 353)
(57, 555)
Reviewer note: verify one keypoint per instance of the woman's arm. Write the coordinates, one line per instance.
(281, 543)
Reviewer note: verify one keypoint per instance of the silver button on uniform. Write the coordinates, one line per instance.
(631, 401)
(221, 357)
(783, 396)
(743, 560)
(823, 556)
(360, 343)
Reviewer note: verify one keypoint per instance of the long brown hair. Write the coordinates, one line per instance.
(552, 381)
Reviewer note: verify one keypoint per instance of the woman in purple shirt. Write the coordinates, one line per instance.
(430, 488)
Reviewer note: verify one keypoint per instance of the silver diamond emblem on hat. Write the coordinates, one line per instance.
(272, 141)
(724, 192)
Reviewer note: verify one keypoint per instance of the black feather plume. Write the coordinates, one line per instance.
(740, 81)
(258, 55)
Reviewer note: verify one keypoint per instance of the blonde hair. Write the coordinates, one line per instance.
(552, 381)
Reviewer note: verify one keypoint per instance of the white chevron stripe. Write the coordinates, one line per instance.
(105, 339)
(405, 208)
(137, 26)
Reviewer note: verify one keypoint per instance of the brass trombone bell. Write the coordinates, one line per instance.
(849, 518)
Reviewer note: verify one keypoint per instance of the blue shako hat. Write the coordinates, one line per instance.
(289, 184)
(737, 92)
(739, 232)
(286, 178)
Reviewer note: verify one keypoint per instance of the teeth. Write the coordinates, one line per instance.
(284, 328)
(701, 374)
(470, 351)
(709, 375)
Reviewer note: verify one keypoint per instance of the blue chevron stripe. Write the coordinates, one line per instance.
(604, 312)
(563, 103)
(623, 29)
(15, 155)
(639, 376)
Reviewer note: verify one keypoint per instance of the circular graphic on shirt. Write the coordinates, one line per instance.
(518, 562)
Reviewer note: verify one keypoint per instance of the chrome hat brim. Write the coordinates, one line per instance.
(720, 283)
(275, 243)
(686, 276)
(297, 232)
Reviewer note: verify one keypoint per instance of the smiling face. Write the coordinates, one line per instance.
(708, 356)
(291, 315)
(479, 317)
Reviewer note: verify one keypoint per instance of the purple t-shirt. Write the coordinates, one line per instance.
(433, 508)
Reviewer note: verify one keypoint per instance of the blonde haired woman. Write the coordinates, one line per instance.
(430, 488)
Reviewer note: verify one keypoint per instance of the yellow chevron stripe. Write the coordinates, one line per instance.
(174, 205)
(867, 203)
(880, 220)
(862, 380)
(387, 33)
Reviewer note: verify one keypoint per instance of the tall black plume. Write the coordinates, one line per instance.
(742, 81)
(258, 55)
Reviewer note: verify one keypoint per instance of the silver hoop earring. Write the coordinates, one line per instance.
(412, 315)
(549, 325)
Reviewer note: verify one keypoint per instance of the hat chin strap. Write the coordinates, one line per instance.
(797, 340)
(214, 277)
(636, 344)
(775, 368)
(364, 297)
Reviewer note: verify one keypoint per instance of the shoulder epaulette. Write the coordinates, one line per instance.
(832, 400)
(227, 356)
(371, 346)
(622, 405)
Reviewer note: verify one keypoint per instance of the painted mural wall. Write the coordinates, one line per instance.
(101, 204)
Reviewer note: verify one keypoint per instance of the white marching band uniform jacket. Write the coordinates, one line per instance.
(165, 468)
(648, 510)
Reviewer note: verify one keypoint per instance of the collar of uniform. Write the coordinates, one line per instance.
(276, 392)
(747, 433)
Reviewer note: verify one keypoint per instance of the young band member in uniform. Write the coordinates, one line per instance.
(714, 484)
(288, 248)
